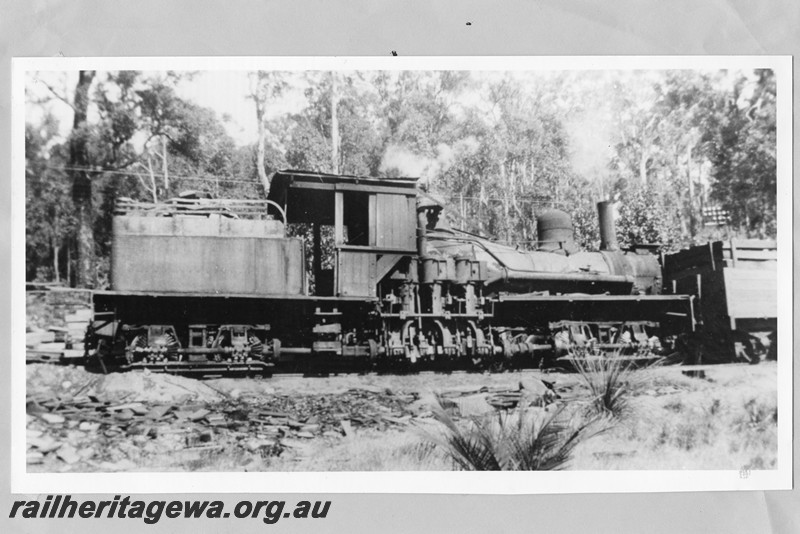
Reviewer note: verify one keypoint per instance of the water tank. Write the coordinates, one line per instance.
(554, 228)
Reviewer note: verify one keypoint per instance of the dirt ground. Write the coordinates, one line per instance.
(140, 421)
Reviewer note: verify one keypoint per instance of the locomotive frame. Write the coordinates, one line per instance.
(211, 286)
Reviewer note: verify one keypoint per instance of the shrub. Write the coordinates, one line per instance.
(522, 440)
(610, 379)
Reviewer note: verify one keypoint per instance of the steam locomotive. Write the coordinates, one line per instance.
(376, 279)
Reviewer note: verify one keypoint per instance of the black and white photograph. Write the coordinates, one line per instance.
(410, 268)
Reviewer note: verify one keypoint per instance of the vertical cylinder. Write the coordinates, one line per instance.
(422, 222)
(463, 269)
(437, 306)
(407, 298)
(430, 270)
(554, 228)
(608, 231)
(470, 300)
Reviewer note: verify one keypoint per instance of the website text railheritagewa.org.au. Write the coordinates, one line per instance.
(151, 512)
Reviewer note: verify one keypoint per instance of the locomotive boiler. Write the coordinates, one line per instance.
(374, 279)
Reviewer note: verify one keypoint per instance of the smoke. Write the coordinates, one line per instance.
(405, 162)
(591, 144)
(401, 160)
(448, 155)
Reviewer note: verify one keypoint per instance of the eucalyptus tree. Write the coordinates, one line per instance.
(49, 212)
(743, 150)
(266, 89)
(338, 130)
(120, 121)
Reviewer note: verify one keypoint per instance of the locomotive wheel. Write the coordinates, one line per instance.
(256, 348)
(137, 343)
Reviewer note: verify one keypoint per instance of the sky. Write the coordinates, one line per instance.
(226, 92)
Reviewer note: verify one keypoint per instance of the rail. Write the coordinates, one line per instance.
(233, 208)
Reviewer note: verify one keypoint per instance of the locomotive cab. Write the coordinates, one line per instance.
(360, 227)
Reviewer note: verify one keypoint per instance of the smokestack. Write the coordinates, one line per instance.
(608, 231)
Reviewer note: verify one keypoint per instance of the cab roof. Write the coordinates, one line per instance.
(308, 197)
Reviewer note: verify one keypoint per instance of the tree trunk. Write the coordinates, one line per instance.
(702, 194)
(164, 168)
(82, 182)
(506, 201)
(56, 249)
(69, 264)
(514, 200)
(482, 210)
(643, 166)
(462, 211)
(261, 151)
(334, 125)
(691, 203)
(153, 184)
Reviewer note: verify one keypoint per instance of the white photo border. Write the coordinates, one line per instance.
(407, 482)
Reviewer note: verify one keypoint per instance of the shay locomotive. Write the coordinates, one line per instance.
(379, 281)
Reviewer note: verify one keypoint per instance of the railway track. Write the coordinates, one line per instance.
(238, 370)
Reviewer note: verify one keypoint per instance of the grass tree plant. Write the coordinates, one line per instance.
(523, 439)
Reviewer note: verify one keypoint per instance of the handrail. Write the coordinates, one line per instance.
(279, 208)
(201, 206)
